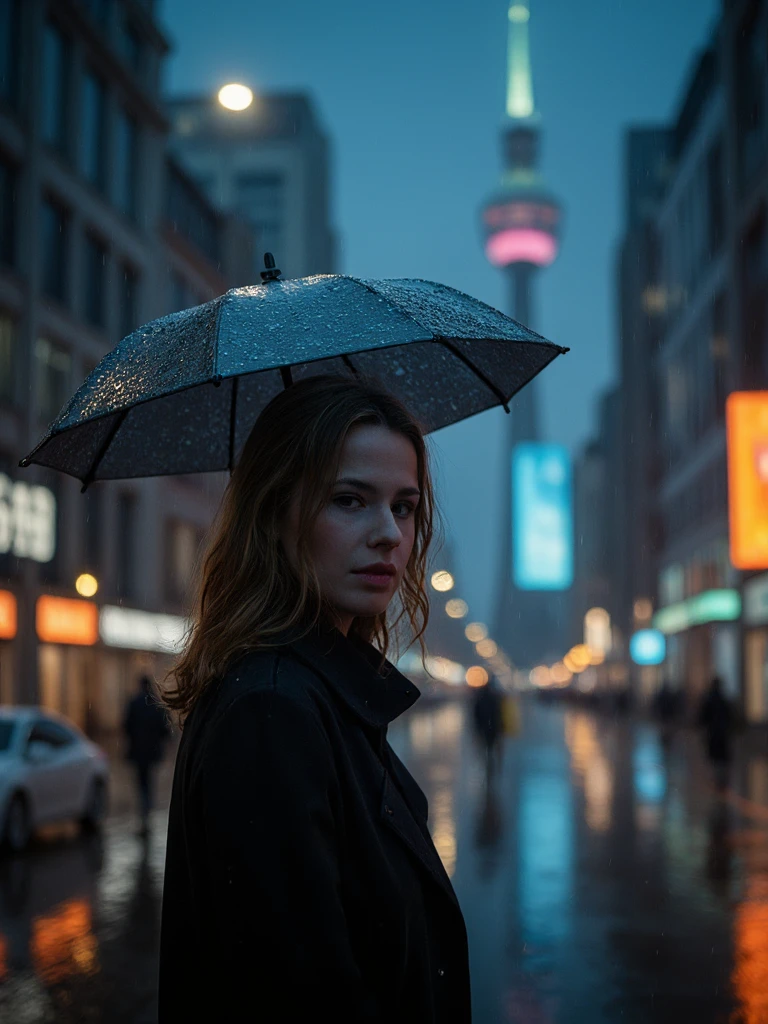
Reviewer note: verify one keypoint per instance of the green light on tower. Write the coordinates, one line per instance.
(519, 81)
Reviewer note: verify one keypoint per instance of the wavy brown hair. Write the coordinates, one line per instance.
(247, 594)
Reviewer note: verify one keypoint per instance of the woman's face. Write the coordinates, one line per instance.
(362, 539)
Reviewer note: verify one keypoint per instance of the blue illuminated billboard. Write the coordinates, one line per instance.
(542, 517)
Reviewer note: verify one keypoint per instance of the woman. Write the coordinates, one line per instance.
(301, 882)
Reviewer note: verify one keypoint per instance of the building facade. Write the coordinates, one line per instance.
(99, 232)
(640, 321)
(744, 55)
(696, 583)
(269, 163)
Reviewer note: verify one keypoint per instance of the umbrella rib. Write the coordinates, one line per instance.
(477, 372)
(89, 476)
(232, 422)
(350, 365)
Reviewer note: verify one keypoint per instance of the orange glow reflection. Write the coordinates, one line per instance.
(750, 973)
(63, 943)
(595, 771)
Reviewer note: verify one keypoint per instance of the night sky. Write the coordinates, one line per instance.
(411, 93)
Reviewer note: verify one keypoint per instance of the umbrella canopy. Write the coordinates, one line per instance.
(181, 394)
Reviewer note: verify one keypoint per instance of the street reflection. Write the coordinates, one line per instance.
(62, 942)
(434, 737)
(592, 768)
(750, 933)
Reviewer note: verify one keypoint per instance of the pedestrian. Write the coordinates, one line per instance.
(488, 722)
(146, 728)
(665, 707)
(716, 718)
(301, 881)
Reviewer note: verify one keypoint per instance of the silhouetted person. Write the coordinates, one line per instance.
(665, 709)
(715, 717)
(146, 728)
(488, 721)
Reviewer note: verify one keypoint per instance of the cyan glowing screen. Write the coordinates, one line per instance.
(542, 517)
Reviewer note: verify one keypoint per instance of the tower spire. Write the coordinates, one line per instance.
(519, 80)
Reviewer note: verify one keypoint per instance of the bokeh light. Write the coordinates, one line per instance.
(476, 676)
(487, 648)
(456, 608)
(86, 585)
(476, 631)
(235, 96)
(442, 581)
(561, 674)
(540, 676)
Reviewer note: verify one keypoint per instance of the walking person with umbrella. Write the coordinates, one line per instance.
(301, 878)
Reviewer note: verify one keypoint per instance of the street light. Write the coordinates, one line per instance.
(235, 96)
(86, 585)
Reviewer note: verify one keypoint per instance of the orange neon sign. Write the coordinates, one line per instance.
(8, 615)
(747, 432)
(65, 620)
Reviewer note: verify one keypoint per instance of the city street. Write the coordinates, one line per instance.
(601, 881)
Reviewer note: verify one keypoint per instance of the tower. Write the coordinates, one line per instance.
(521, 222)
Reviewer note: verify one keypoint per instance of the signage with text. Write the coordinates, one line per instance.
(27, 520)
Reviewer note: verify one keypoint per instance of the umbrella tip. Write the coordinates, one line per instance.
(271, 273)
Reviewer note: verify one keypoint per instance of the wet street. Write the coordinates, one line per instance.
(602, 880)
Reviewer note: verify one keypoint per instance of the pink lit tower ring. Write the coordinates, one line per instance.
(521, 224)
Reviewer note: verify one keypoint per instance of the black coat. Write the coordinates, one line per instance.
(301, 881)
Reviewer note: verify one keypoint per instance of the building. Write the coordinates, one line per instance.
(641, 307)
(698, 602)
(521, 225)
(271, 164)
(100, 232)
(744, 58)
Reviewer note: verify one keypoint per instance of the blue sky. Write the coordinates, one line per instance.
(411, 93)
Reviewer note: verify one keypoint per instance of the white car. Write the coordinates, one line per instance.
(49, 772)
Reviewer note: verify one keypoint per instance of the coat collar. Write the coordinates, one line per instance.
(376, 693)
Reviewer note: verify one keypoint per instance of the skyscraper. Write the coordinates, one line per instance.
(521, 222)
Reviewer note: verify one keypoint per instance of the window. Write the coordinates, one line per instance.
(715, 198)
(9, 51)
(93, 527)
(7, 730)
(720, 352)
(95, 280)
(92, 129)
(182, 296)
(56, 61)
(132, 46)
(7, 212)
(129, 295)
(261, 198)
(755, 303)
(54, 239)
(182, 543)
(54, 369)
(51, 733)
(126, 541)
(190, 212)
(98, 10)
(7, 358)
(126, 164)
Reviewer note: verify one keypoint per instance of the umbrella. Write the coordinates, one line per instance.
(181, 394)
